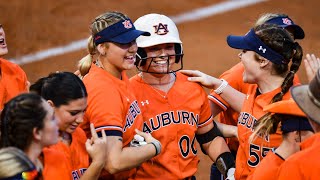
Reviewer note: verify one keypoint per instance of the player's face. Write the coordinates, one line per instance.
(71, 115)
(251, 66)
(160, 58)
(50, 131)
(3, 44)
(121, 56)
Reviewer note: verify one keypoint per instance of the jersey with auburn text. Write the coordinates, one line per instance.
(251, 152)
(173, 119)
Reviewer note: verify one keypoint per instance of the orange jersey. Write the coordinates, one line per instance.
(304, 164)
(268, 168)
(113, 107)
(65, 162)
(250, 154)
(12, 82)
(173, 119)
(270, 165)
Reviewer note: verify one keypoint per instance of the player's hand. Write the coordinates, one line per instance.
(200, 77)
(97, 147)
(147, 136)
(312, 64)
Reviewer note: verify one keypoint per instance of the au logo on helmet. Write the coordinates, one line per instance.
(161, 29)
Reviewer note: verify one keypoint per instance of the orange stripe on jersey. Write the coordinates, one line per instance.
(220, 102)
(209, 120)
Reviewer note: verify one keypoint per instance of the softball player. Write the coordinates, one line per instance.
(13, 79)
(266, 52)
(112, 105)
(234, 77)
(175, 111)
(306, 163)
(28, 123)
(69, 158)
(295, 129)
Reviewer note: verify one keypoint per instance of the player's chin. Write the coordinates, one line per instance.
(128, 66)
(3, 51)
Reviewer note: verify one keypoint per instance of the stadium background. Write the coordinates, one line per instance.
(35, 25)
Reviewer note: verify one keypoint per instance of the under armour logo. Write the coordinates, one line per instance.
(262, 49)
(161, 29)
(286, 21)
(145, 102)
(127, 24)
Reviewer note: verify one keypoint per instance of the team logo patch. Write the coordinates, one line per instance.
(161, 29)
(127, 24)
(286, 21)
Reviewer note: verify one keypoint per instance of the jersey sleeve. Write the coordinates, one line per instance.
(205, 114)
(105, 108)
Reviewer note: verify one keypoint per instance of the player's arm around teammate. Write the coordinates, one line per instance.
(112, 105)
(266, 65)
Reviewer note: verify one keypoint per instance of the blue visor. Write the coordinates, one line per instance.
(287, 23)
(122, 32)
(295, 124)
(251, 42)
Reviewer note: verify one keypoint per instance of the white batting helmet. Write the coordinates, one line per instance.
(163, 30)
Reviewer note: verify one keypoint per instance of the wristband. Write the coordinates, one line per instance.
(220, 89)
(157, 145)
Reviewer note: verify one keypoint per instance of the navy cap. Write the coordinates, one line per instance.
(252, 42)
(286, 22)
(122, 32)
(295, 123)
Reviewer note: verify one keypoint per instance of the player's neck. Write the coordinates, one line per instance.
(270, 83)
(162, 82)
(157, 79)
(33, 151)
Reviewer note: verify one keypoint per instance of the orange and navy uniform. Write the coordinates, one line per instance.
(112, 107)
(251, 153)
(304, 164)
(173, 119)
(65, 162)
(270, 165)
(12, 82)
(229, 116)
